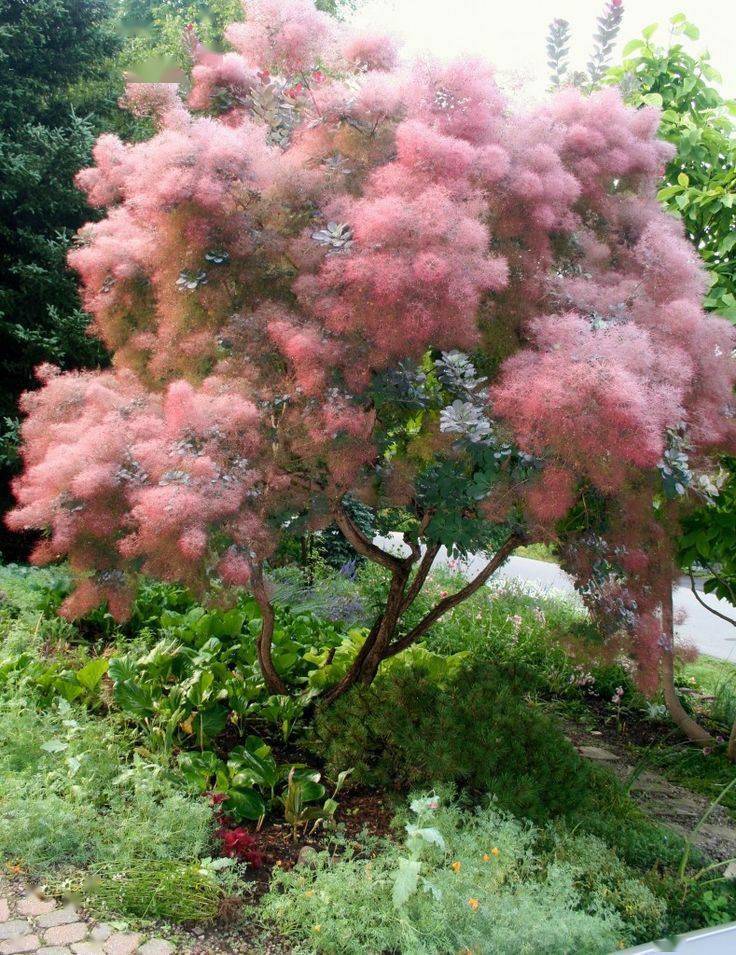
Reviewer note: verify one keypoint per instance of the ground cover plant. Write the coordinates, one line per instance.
(465, 880)
(208, 802)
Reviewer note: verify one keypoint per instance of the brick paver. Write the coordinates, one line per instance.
(31, 923)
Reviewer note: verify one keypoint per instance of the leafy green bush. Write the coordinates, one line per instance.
(462, 881)
(599, 875)
(201, 674)
(477, 731)
(72, 794)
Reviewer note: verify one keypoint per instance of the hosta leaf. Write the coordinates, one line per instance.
(244, 804)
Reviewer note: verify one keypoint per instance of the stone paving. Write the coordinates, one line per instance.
(30, 922)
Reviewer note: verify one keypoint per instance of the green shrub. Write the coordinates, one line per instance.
(477, 731)
(73, 793)
(462, 881)
(599, 875)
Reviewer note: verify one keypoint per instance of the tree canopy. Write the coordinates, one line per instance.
(330, 273)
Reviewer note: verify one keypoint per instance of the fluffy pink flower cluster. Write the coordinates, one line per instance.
(318, 213)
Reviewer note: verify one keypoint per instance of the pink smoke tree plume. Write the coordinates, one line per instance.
(333, 273)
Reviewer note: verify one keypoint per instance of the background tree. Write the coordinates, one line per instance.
(330, 275)
(699, 186)
(48, 50)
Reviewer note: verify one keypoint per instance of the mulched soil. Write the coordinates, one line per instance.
(360, 811)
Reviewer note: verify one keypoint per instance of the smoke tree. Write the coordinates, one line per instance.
(334, 274)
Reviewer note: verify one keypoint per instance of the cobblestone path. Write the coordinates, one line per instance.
(31, 923)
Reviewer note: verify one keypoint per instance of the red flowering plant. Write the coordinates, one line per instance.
(332, 273)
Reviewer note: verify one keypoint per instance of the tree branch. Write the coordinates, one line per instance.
(420, 577)
(509, 545)
(363, 545)
(272, 679)
(712, 610)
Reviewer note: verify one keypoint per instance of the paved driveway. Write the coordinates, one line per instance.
(710, 634)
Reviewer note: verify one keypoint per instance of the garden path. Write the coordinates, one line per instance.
(34, 923)
(675, 806)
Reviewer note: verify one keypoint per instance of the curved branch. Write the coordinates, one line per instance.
(712, 610)
(508, 546)
(420, 577)
(690, 727)
(362, 544)
(272, 679)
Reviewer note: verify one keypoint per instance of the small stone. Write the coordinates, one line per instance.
(4, 910)
(730, 871)
(58, 917)
(88, 948)
(25, 943)
(34, 905)
(54, 950)
(122, 943)
(307, 856)
(101, 932)
(597, 752)
(66, 934)
(14, 928)
(156, 946)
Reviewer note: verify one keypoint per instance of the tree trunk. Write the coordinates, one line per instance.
(731, 750)
(271, 678)
(693, 730)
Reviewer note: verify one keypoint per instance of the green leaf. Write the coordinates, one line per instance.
(121, 669)
(199, 768)
(253, 767)
(311, 791)
(68, 689)
(206, 724)
(405, 881)
(631, 46)
(683, 179)
(653, 99)
(649, 31)
(691, 31)
(134, 699)
(54, 746)
(244, 804)
(91, 673)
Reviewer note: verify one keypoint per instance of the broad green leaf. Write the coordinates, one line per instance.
(121, 669)
(244, 804)
(134, 699)
(199, 768)
(54, 746)
(631, 46)
(405, 881)
(91, 673)
(208, 723)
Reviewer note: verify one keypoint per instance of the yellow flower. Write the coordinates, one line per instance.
(317, 928)
(309, 893)
(495, 851)
(486, 857)
(473, 903)
(456, 866)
